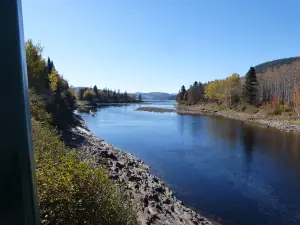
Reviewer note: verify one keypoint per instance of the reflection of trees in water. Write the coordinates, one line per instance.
(224, 129)
(248, 140)
(181, 124)
(283, 147)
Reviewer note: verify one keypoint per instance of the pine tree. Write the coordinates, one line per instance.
(50, 65)
(96, 91)
(182, 92)
(250, 86)
(140, 97)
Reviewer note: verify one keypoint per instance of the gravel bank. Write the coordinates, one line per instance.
(282, 125)
(156, 202)
(155, 109)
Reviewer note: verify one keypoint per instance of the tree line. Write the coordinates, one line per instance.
(279, 88)
(95, 95)
(45, 81)
(70, 188)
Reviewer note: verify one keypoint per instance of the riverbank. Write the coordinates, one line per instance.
(155, 202)
(86, 107)
(155, 109)
(278, 122)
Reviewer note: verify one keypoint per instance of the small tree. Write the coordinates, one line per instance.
(181, 94)
(296, 99)
(96, 91)
(140, 97)
(50, 66)
(250, 86)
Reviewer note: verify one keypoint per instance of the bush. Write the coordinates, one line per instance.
(277, 110)
(286, 108)
(71, 191)
(220, 107)
(37, 108)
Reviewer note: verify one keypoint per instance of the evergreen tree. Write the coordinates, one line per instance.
(140, 97)
(182, 92)
(250, 86)
(96, 91)
(50, 66)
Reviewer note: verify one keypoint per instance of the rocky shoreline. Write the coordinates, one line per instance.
(155, 202)
(281, 124)
(155, 109)
(259, 119)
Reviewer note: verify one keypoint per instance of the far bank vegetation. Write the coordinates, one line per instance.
(94, 96)
(272, 88)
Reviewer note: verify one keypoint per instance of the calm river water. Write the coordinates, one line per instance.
(226, 170)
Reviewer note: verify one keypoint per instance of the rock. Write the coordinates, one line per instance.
(134, 178)
(146, 201)
(172, 208)
(167, 201)
(154, 197)
(132, 163)
(155, 179)
(159, 189)
(120, 164)
(152, 211)
(106, 154)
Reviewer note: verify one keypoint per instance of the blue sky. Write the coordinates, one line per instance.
(151, 45)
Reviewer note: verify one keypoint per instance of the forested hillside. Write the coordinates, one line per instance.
(261, 68)
(275, 84)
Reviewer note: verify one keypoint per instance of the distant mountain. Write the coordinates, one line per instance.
(275, 64)
(156, 96)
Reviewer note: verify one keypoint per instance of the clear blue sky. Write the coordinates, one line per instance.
(158, 45)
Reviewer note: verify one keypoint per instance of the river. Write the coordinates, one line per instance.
(229, 171)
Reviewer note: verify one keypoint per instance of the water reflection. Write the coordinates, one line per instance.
(248, 141)
(279, 145)
(181, 124)
(241, 173)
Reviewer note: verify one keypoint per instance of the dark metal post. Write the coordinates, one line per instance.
(18, 203)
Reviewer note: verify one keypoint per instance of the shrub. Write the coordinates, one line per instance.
(71, 191)
(220, 107)
(37, 108)
(286, 108)
(277, 110)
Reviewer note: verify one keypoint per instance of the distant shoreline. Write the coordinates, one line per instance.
(283, 125)
(198, 110)
(156, 109)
